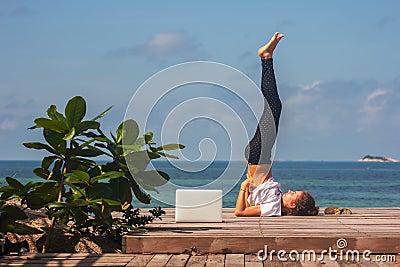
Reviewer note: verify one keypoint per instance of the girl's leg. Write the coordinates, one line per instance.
(259, 149)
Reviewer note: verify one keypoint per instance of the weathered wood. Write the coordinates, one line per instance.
(178, 260)
(234, 260)
(197, 261)
(159, 260)
(215, 260)
(140, 260)
(251, 260)
(374, 229)
(309, 264)
(231, 260)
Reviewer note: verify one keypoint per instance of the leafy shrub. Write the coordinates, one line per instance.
(77, 190)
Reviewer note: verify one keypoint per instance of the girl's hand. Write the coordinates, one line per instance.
(245, 184)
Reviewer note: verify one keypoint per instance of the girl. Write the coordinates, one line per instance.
(259, 194)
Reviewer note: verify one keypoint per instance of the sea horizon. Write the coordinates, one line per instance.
(332, 183)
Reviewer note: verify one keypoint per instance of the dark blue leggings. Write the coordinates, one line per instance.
(259, 149)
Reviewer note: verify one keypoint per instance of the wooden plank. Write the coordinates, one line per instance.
(291, 264)
(197, 261)
(63, 263)
(234, 244)
(67, 261)
(178, 260)
(251, 260)
(365, 263)
(234, 260)
(215, 260)
(310, 264)
(159, 260)
(140, 260)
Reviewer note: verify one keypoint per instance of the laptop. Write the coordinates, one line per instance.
(198, 205)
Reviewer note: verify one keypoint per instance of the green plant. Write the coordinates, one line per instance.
(77, 190)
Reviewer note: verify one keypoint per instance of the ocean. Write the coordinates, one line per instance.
(344, 184)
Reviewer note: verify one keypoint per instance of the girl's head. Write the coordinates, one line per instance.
(299, 203)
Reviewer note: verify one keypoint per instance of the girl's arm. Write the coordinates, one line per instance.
(243, 208)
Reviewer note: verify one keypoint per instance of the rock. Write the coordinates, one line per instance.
(369, 158)
(337, 211)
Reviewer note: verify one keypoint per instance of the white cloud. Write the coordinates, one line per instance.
(375, 102)
(8, 124)
(162, 45)
(299, 100)
(314, 85)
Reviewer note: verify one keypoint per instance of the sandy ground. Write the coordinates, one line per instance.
(33, 231)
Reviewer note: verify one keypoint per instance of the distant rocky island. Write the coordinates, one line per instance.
(370, 158)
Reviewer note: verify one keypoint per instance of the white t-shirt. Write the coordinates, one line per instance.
(268, 195)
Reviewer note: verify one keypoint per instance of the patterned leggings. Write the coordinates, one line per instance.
(259, 149)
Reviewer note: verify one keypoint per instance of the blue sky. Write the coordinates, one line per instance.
(337, 67)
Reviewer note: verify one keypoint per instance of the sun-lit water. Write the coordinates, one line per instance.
(346, 184)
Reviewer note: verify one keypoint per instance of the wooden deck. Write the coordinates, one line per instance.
(374, 229)
(175, 260)
(236, 241)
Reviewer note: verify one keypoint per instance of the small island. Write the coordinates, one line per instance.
(370, 158)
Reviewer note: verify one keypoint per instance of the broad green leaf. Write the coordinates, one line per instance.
(142, 197)
(8, 192)
(14, 183)
(75, 111)
(37, 145)
(170, 147)
(47, 161)
(148, 137)
(121, 190)
(107, 175)
(102, 114)
(89, 152)
(35, 201)
(79, 215)
(83, 161)
(129, 148)
(55, 173)
(58, 126)
(54, 115)
(139, 160)
(14, 213)
(42, 173)
(112, 202)
(149, 188)
(168, 155)
(79, 203)
(86, 125)
(55, 140)
(77, 192)
(130, 132)
(140, 141)
(77, 176)
(153, 178)
(48, 190)
(70, 134)
(86, 143)
(152, 155)
(57, 205)
(100, 190)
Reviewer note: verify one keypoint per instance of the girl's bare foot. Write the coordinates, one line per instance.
(267, 50)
